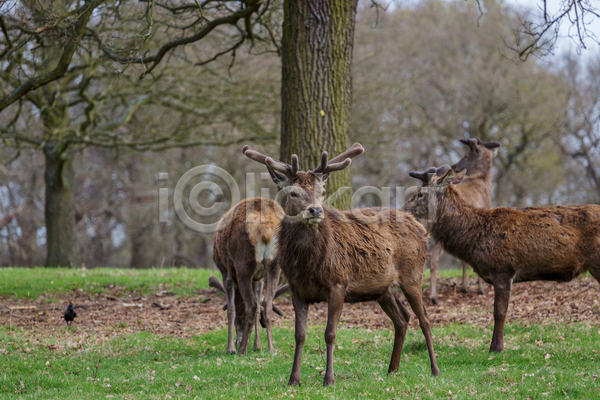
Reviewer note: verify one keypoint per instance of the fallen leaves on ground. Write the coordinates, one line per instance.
(114, 313)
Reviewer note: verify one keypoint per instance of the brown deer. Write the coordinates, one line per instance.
(476, 190)
(345, 256)
(508, 245)
(244, 252)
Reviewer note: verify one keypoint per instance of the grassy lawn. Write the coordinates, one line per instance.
(539, 363)
(29, 283)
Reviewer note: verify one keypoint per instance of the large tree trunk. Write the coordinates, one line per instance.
(316, 85)
(61, 242)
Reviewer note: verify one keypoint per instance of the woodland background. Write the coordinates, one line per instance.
(424, 75)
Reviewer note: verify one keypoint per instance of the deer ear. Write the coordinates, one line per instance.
(458, 177)
(324, 177)
(445, 178)
(280, 180)
(408, 193)
(494, 151)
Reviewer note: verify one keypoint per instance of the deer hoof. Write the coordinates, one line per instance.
(435, 301)
(329, 382)
(494, 348)
(435, 371)
(463, 289)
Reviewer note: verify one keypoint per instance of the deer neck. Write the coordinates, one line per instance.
(304, 241)
(455, 223)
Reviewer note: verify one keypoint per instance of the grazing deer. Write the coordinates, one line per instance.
(508, 245)
(214, 282)
(345, 256)
(244, 251)
(476, 190)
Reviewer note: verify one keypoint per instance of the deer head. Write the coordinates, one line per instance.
(424, 203)
(304, 189)
(479, 157)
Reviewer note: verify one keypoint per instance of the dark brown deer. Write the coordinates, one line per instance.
(345, 256)
(244, 251)
(508, 245)
(476, 190)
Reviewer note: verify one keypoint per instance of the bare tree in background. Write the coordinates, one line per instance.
(428, 75)
(582, 127)
(538, 31)
(113, 29)
(84, 101)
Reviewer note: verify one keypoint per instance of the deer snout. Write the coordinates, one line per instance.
(315, 212)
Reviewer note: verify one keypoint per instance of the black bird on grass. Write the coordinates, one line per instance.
(70, 314)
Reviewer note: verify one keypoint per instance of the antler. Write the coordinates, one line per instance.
(339, 162)
(423, 175)
(469, 142)
(288, 170)
(489, 145)
(441, 171)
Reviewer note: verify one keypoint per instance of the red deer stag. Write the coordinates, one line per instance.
(476, 190)
(244, 252)
(508, 245)
(345, 256)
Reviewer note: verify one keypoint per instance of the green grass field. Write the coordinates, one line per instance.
(540, 361)
(29, 283)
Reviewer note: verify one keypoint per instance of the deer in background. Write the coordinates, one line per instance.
(214, 282)
(345, 256)
(476, 190)
(508, 245)
(244, 252)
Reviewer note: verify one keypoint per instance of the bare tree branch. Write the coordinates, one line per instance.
(157, 58)
(65, 60)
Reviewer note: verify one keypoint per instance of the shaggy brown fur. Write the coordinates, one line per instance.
(507, 245)
(244, 252)
(476, 190)
(350, 256)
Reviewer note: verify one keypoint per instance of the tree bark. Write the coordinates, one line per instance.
(316, 85)
(59, 177)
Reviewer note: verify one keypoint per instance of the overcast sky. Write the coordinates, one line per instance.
(564, 43)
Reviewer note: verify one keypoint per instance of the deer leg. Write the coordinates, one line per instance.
(480, 289)
(240, 312)
(301, 311)
(595, 271)
(230, 292)
(271, 286)
(502, 288)
(413, 295)
(463, 286)
(258, 287)
(335, 304)
(391, 306)
(250, 306)
(434, 259)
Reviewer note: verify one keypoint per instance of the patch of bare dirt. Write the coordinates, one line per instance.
(162, 313)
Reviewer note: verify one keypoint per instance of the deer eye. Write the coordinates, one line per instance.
(419, 195)
(293, 194)
(323, 193)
